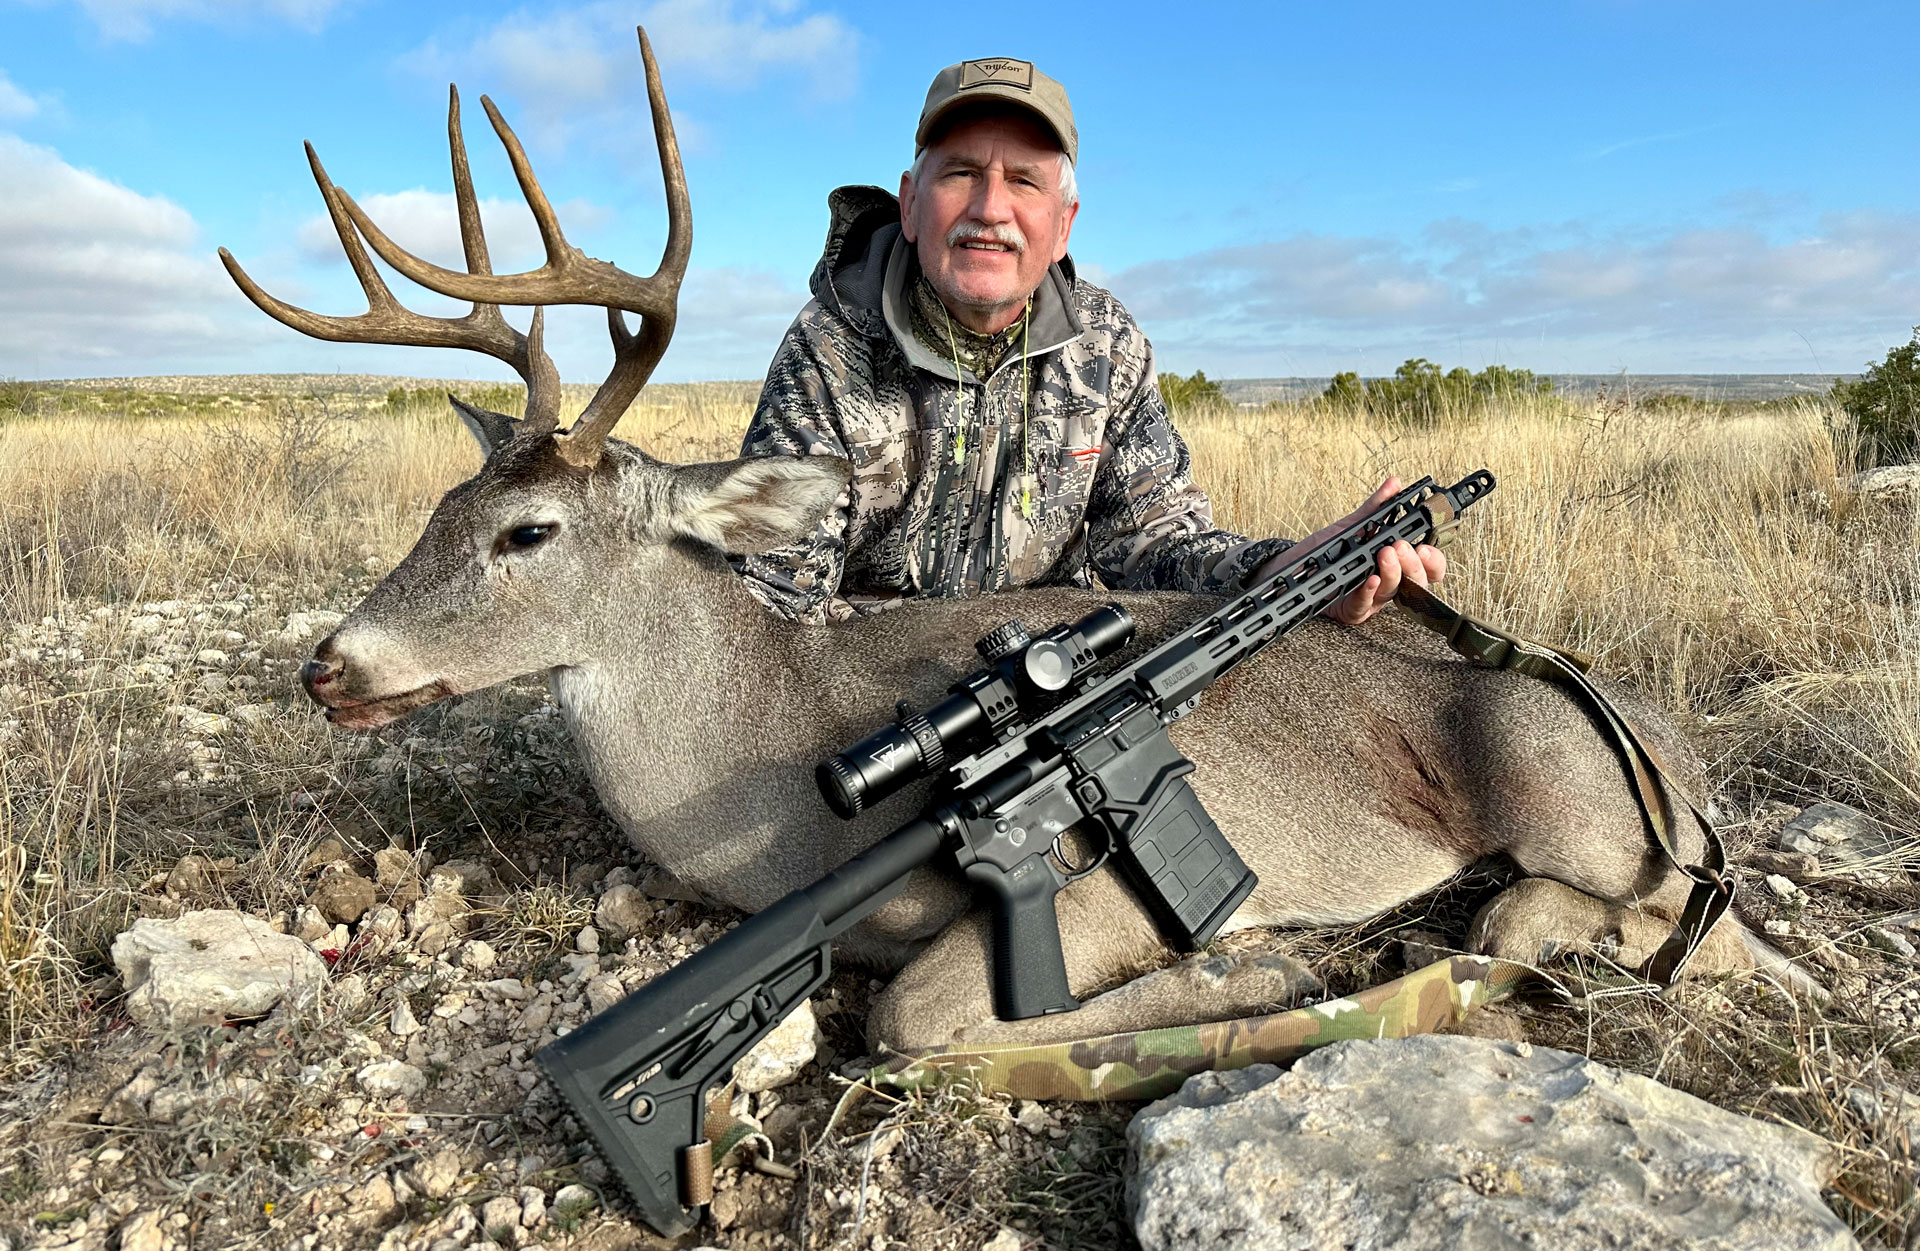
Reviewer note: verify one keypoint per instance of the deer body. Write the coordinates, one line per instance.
(1352, 768)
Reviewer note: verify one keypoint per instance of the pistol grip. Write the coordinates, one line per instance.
(1029, 971)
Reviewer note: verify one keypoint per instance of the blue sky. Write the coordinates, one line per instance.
(1272, 189)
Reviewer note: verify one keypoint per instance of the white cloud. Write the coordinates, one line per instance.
(15, 104)
(587, 53)
(134, 19)
(576, 71)
(92, 272)
(730, 322)
(99, 279)
(426, 224)
(1730, 298)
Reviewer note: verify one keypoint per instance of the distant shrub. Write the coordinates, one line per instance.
(1421, 393)
(496, 397)
(300, 448)
(18, 398)
(1346, 390)
(1194, 391)
(1885, 405)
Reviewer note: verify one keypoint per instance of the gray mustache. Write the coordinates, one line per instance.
(1006, 233)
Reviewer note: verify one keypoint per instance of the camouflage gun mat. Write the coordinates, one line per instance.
(1149, 1064)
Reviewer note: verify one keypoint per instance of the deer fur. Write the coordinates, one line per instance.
(1353, 768)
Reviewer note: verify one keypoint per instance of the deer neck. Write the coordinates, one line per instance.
(689, 695)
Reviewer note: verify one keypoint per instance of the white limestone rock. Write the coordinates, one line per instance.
(1431, 1143)
(623, 911)
(302, 626)
(1888, 483)
(202, 968)
(1844, 839)
(605, 990)
(384, 1079)
(779, 1057)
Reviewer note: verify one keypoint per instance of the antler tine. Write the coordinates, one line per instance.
(569, 275)
(636, 355)
(542, 378)
(473, 235)
(482, 329)
(354, 329)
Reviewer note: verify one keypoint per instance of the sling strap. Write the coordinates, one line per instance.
(1493, 648)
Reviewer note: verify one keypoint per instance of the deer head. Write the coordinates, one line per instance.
(512, 572)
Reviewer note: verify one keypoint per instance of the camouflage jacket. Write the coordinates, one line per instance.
(958, 488)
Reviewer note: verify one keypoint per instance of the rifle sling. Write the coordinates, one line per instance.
(1491, 647)
(723, 1135)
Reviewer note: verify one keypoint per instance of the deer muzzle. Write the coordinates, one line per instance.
(331, 683)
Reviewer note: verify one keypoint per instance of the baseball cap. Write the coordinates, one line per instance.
(1000, 78)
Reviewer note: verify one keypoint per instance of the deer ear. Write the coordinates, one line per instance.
(757, 504)
(490, 430)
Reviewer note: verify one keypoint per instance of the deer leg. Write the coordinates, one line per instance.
(1536, 920)
(945, 995)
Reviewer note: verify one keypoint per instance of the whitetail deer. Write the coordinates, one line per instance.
(1354, 768)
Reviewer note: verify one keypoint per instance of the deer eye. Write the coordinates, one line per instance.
(520, 538)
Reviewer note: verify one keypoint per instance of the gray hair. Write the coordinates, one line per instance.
(1069, 185)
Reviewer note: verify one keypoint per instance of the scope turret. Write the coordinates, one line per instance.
(1020, 668)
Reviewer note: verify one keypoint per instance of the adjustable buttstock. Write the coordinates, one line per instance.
(638, 1075)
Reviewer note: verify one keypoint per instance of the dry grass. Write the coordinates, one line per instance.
(1712, 558)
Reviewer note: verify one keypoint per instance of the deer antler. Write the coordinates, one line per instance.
(570, 276)
(483, 329)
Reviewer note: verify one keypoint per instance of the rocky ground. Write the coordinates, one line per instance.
(464, 901)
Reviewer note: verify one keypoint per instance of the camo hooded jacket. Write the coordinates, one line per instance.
(958, 488)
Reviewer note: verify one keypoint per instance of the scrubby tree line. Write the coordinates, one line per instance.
(1885, 405)
(1420, 391)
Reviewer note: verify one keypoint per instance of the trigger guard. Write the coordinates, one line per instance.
(1066, 867)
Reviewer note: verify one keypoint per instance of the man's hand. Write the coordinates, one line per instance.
(1423, 566)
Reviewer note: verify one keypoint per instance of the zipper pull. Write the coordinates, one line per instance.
(1026, 502)
(960, 447)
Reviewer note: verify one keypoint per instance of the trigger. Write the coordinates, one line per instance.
(1073, 872)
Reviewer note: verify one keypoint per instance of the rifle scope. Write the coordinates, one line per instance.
(1019, 668)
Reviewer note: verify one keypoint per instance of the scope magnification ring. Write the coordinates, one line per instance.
(933, 753)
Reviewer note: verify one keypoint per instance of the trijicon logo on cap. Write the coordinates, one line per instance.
(999, 71)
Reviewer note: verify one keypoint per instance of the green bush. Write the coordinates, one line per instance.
(1195, 391)
(496, 397)
(18, 397)
(1885, 405)
(1420, 392)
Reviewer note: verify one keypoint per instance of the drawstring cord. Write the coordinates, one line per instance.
(959, 381)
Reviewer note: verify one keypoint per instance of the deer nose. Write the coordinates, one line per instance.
(321, 669)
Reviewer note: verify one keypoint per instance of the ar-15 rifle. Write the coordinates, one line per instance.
(1044, 742)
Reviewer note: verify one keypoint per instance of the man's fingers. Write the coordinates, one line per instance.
(1412, 567)
(1358, 604)
(1399, 563)
(1390, 573)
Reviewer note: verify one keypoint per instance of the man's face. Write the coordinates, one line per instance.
(987, 217)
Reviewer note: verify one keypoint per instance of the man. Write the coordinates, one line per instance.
(1001, 414)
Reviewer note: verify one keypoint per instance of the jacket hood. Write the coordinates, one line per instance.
(850, 278)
